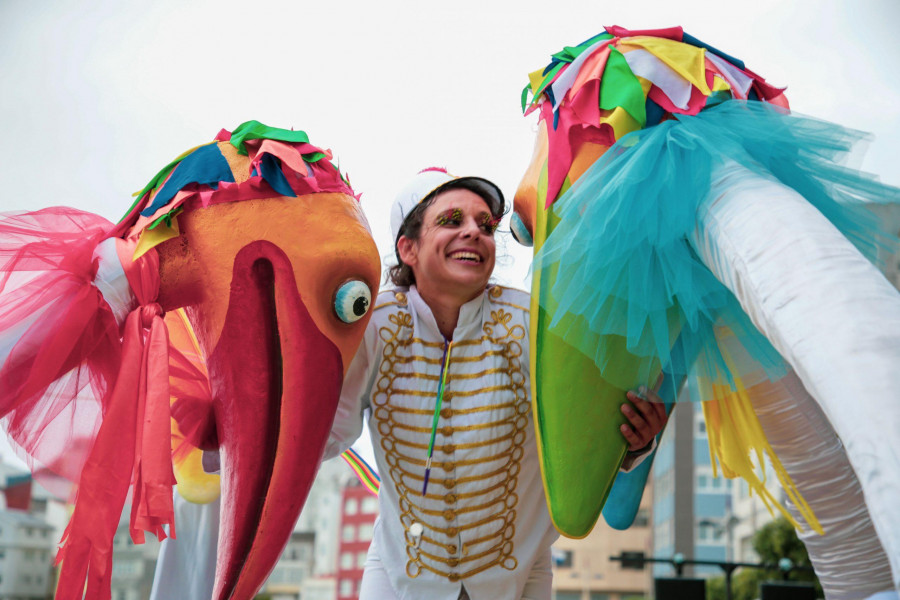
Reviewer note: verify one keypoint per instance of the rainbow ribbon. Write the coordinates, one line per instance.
(365, 473)
(437, 412)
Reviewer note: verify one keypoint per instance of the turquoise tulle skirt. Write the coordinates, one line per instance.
(625, 263)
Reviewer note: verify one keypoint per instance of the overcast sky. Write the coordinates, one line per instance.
(95, 97)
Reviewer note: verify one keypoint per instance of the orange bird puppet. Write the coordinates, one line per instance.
(262, 243)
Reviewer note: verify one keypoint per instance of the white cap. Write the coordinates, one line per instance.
(429, 182)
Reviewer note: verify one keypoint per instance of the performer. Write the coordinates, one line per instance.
(442, 376)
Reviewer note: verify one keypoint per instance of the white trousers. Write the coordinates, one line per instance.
(376, 585)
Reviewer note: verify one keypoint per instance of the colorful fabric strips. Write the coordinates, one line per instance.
(621, 81)
(283, 163)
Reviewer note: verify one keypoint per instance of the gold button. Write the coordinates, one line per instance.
(448, 466)
(448, 396)
(450, 498)
(453, 577)
(449, 514)
(446, 413)
(449, 448)
(401, 298)
(446, 431)
(452, 550)
(496, 291)
(453, 562)
(449, 483)
(452, 532)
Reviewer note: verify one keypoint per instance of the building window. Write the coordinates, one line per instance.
(704, 532)
(710, 532)
(348, 534)
(361, 560)
(369, 505)
(605, 596)
(663, 535)
(351, 506)
(346, 561)
(664, 484)
(126, 567)
(365, 532)
(567, 595)
(642, 519)
(561, 558)
(707, 483)
(346, 587)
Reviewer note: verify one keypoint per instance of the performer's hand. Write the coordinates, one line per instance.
(646, 416)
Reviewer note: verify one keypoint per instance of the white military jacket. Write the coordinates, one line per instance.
(483, 521)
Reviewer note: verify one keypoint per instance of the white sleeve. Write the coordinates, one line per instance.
(355, 394)
(633, 459)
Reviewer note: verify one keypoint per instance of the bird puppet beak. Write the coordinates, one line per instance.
(576, 411)
(277, 352)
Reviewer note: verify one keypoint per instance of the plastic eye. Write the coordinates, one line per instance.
(519, 231)
(352, 301)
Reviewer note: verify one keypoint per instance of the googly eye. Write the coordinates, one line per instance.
(352, 301)
(519, 231)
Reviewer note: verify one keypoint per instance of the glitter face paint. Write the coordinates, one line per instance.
(454, 217)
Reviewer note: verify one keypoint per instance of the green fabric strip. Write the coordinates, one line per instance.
(570, 53)
(254, 130)
(313, 157)
(619, 87)
(167, 218)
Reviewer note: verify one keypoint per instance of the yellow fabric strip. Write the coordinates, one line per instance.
(735, 436)
(720, 85)
(150, 238)
(535, 79)
(688, 61)
(620, 121)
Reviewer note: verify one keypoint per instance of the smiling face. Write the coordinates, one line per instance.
(455, 251)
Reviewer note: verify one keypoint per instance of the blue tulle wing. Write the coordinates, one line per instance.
(622, 252)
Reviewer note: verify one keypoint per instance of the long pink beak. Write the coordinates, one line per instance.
(276, 382)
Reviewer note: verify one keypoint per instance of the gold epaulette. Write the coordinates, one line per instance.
(395, 297)
(511, 297)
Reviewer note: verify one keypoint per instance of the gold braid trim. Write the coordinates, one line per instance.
(406, 458)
